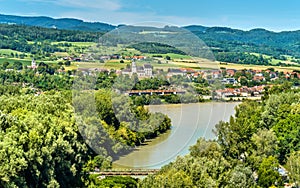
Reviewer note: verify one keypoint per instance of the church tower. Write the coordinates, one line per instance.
(133, 67)
(33, 64)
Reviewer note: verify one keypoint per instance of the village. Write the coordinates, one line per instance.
(236, 84)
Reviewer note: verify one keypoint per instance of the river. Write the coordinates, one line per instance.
(189, 123)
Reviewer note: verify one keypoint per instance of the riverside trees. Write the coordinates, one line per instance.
(41, 144)
(248, 151)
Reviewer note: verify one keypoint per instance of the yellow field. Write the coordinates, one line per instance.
(61, 54)
(108, 65)
(197, 63)
(79, 44)
(258, 67)
(203, 63)
(194, 63)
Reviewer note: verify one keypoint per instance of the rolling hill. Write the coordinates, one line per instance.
(228, 44)
(62, 23)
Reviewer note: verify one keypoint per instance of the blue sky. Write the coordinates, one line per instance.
(276, 15)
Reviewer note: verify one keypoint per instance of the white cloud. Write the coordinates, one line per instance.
(119, 17)
(112, 11)
(111, 5)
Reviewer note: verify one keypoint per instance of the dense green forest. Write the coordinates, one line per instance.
(17, 37)
(256, 40)
(156, 48)
(41, 144)
(241, 58)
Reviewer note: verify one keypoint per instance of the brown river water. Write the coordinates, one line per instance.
(189, 123)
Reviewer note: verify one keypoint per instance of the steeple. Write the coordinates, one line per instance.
(133, 67)
(33, 63)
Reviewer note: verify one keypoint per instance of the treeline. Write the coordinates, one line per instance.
(43, 143)
(60, 23)
(39, 142)
(156, 48)
(256, 40)
(241, 58)
(249, 150)
(32, 33)
(28, 79)
(194, 89)
(17, 37)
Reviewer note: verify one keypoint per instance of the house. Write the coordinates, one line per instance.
(259, 77)
(240, 92)
(187, 70)
(211, 74)
(148, 70)
(229, 81)
(139, 57)
(224, 93)
(173, 72)
(196, 74)
(230, 72)
(295, 75)
(92, 71)
(273, 74)
(216, 74)
(105, 57)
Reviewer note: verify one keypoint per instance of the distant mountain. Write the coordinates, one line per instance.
(62, 23)
(221, 39)
(258, 40)
(195, 28)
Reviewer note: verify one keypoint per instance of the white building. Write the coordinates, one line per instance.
(229, 81)
(33, 64)
(141, 71)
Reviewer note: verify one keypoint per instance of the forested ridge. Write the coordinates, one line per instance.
(62, 23)
(228, 45)
(255, 40)
(31, 39)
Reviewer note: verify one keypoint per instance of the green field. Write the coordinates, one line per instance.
(274, 61)
(258, 67)
(9, 51)
(108, 65)
(177, 60)
(79, 44)
(10, 60)
(103, 50)
(61, 54)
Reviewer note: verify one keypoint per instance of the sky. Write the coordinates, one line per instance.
(275, 15)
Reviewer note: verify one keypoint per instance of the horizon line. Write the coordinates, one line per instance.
(169, 24)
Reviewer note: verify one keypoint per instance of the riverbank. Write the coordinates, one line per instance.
(189, 123)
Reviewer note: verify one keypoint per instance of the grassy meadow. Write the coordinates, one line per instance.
(158, 61)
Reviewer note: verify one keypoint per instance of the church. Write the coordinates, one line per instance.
(142, 71)
(33, 65)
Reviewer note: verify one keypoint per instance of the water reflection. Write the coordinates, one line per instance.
(189, 122)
